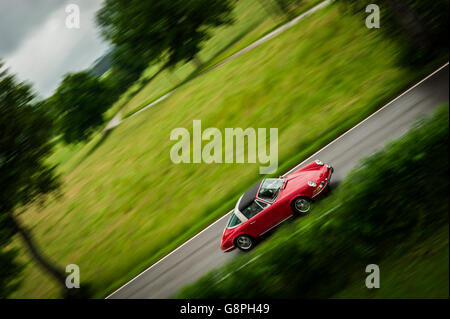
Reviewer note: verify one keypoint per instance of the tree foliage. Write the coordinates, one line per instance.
(25, 133)
(288, 7)
(159, 29)
(422, 24)
(24, 145)
(79, 102)
(127, 68)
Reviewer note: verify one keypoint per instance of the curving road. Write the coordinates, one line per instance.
(202, 253)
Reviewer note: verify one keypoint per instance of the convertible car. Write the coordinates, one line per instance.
(272, 201)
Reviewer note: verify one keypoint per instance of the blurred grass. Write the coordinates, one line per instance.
(126, 204)
(421, 272)
(252, 22)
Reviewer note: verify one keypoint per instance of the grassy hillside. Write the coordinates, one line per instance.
(126, 204)
(252, 20)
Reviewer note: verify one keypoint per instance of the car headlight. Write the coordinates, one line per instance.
(319, 162)
(312, 184)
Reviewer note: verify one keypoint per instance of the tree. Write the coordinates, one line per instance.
(25, 177)
(80, 101)
(127, 67)
(423, 24)
(171, 30)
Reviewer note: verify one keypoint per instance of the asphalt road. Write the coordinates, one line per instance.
(202, 253)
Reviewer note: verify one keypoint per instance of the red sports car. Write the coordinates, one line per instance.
(273, 200)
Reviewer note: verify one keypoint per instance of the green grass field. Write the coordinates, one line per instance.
(125, 204)
(252, 21)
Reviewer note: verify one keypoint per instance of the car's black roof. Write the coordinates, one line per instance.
(248, 197)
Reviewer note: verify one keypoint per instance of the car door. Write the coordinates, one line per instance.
(264, 220)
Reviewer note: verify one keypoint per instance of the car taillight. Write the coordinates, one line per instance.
(319, 188)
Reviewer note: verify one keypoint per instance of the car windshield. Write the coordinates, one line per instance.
(270, 188)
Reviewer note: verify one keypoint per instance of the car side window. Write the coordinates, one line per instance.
(254, 208)
(262, 204)
(234, 221)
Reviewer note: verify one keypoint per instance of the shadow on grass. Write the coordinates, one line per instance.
(100, 142)
(93, 148)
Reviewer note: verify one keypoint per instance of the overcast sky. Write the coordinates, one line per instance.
(37, 46)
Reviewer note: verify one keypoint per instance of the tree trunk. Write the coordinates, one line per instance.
(44, 262)
(410, 22)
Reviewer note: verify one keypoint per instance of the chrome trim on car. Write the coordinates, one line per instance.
(326, 183)
(316, 194)
(228, 249)
(259, 201)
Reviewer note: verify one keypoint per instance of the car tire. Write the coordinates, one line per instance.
(301, 205)
(244, 242)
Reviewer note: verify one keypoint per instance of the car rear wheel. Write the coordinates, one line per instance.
(244, 242)
(301, 205)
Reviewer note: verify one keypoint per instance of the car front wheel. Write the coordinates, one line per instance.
(301, 205)
(244, 242)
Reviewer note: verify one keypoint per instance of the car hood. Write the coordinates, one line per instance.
(300, 177)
